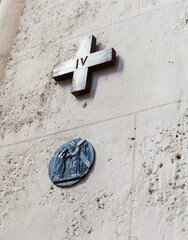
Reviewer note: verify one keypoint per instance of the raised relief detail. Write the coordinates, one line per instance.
(71, 162)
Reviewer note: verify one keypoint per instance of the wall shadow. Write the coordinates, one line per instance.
(104, 72)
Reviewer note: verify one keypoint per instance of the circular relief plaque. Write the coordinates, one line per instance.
(71, 162)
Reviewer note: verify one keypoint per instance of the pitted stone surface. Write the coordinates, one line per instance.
(136, 118)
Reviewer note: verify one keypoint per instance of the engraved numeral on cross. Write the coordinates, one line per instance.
(82, 61)
(81, 68)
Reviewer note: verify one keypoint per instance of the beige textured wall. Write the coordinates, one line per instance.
(135, 117)
(10, 11)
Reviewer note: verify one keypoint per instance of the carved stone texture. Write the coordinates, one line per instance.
(71, 162)
(84, 64)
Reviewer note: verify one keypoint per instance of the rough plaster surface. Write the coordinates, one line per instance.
(135, 117)
(10, 11)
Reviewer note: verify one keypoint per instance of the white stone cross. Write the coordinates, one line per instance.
(81, 68)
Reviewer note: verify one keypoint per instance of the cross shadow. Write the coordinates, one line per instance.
(97, 74)
(94, 79)
(65, 83)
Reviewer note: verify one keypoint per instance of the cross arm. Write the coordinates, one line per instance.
(95, 61)
(64, 70)
(101, 59)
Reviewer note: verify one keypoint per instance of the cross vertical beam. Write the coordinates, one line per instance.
(82, 77)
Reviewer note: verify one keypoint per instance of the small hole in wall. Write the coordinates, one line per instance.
(161, 165)
(178, 156)
(186, 21)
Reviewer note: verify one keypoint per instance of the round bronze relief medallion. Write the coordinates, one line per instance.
(71, 162)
